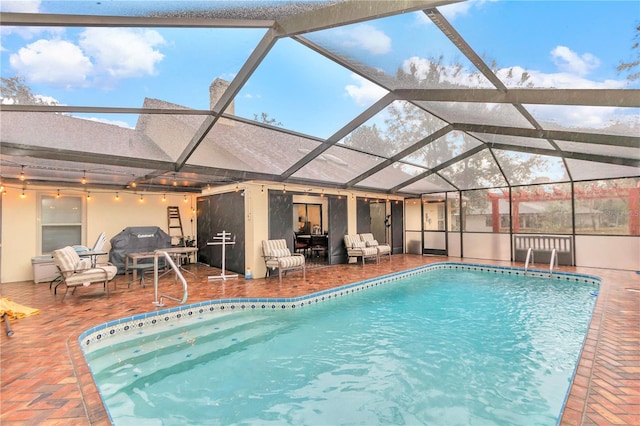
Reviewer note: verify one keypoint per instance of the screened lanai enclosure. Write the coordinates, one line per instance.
(490, 121)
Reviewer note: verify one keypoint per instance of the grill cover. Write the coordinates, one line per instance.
(137, 239)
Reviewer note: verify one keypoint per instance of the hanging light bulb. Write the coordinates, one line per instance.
(84, 177)
(237, 189)
(164, 197)
(185, 199)
(23, 195)
(284, 189)
(133, 181)
(322, 193)
(89, 195)
(262, 189)
(141, 198)
(175, 182)
(22, 176)
(117, 196)
(58, 194)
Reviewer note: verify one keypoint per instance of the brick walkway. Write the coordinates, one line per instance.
(45, 380)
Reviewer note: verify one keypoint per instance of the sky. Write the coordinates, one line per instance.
(564, 44)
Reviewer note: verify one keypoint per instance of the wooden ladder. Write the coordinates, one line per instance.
(174, 225)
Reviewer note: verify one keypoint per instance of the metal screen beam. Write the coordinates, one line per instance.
(588, 97)
(563, 135)
(66, 20)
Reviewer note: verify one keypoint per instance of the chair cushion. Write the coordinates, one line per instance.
(291, 261)
(372, 243)
(281, 252)
(358, 244)
(369, 251)
(66, 259)
(97, 274)
(384, 248)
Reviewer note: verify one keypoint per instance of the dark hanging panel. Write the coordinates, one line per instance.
(337, 229)
(363, 216)
(281, 217)
(203, 213)
(397, 232)
(225, 213)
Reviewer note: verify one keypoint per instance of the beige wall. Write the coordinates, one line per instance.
(103, 213)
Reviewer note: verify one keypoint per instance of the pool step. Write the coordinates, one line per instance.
(135, 365)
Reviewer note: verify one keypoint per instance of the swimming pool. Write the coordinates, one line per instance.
(444, 344)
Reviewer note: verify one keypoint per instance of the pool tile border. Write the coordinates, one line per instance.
(103, 332)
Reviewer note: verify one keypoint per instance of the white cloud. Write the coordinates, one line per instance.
(510, 76)
(25, 6)
(364, 92)
(118, 123)
(21, 6)
(52, 61)
(367, 37)
(569, 61)
(123, 52)
(103, 56)
(560, 80)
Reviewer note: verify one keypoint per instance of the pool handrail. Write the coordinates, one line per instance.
(529, 256)
(554, 257)
(155, 279)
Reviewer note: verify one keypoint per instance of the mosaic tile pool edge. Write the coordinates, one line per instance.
(126, 325)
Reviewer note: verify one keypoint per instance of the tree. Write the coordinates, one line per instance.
(13, 90)
(634, 64)
(264, 118)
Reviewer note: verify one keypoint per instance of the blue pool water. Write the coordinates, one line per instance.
(441, 347)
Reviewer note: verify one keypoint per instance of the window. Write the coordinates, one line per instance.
(61, 221)
(609, 207)
(307, 218)
(542, 209)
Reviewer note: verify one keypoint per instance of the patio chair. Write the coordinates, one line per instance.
(76, 272)
(358, 248)
(277, 255)
(370, 241)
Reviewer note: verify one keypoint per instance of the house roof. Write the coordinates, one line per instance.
(430, 125)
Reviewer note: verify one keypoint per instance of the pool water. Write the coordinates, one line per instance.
(443, 347)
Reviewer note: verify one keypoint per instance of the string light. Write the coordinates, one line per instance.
(22, 176)
(84, 177)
